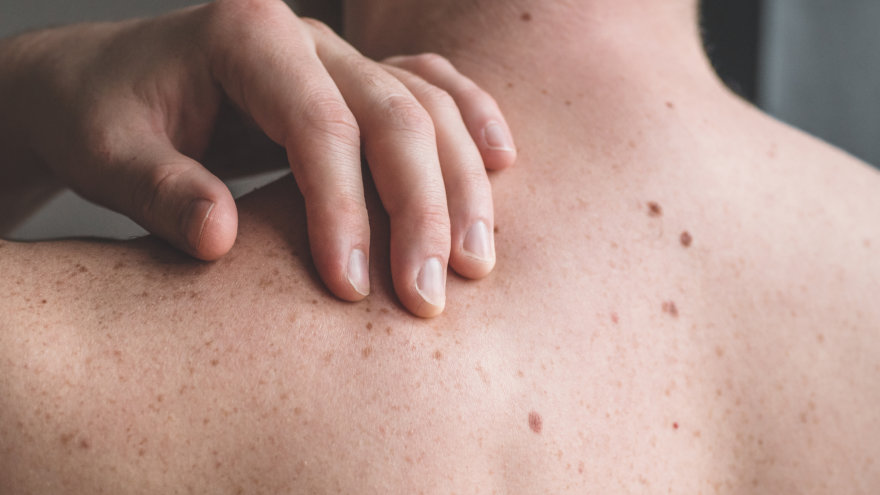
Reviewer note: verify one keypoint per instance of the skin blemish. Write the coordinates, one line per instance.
(654, 209)
(670, 308)
(215, 362)
(66, 438)
(670, 105)
(615, 318)
(437, 355)
(568, 103)
(719, 352)
(496, 230)
(536, 423)
(369, 326)
(384, 311)
(509, 86)
(820, 338)
(526, 17)
(84, 444)
(388, 330)
(365, 353)
(674, 426)
(686, 239)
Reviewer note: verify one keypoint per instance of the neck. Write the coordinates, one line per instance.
(593, 52)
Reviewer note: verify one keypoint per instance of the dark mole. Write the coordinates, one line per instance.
(535, 422)
(686, 239)
(43, 301)
(670, 308)
(654, 209)
(675, 426)
(526, 17)
(366, 352)
(369, 326)
(496, 230)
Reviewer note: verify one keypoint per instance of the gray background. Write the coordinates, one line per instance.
(819, 69)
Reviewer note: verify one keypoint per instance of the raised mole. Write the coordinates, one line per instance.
(686, 239)
(654, 209)
(536, 423)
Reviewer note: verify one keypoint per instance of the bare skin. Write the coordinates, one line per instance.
(610, 352)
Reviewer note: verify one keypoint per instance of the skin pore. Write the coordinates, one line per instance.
(683, 302)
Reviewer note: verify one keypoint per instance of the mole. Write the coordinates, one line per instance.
(654, 209)
(369, 326)
(670, 105)
(615, 318)
(526, 17)
(686, 239)
(496, 230)
(674, 426)
(215, 362)
(84, 444)
(366, 352)
(536, 423)
(437, 355)
(670, 308)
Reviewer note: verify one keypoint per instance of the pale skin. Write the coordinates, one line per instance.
(607, 353)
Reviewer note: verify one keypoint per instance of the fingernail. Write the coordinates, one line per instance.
(476, 242)
(497, 138)
(359, 272)
(430, 283)
(195, 220)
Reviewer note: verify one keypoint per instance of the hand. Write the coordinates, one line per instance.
(121, 112)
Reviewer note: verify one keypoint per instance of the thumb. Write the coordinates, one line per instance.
(177, 199)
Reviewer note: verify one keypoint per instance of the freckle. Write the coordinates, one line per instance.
(820, 338)
(526, 17)
(160, 398)
(520, 374)
(297, 411)
(366, 352)
(66, 438)
(686, 239)
(544, 92)
(719, 351)
(536, 423)
(84, 444)
(670, 105)
(43, 301)
(314, 301)
(615, 318)
(384, 311)
(674, 426)
(510, 85)
(285, 396)
(581, 467)
(206, 421)
(369, 326)
(654, 209)
(141, 452)
(671, 309)
(215, 362)
(568, 103)
(437, 355)
(388, 330)
(496, 229)
(118, 265)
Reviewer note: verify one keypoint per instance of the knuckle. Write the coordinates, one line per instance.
(433, 219)
(437, 98)
(150, 187)
(430, 62)
(318, 26)
(405, 113)
(326, 114)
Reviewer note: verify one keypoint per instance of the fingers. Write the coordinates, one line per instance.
(170, 195)
(269, 68)
(401, 148)
(468, 192)
(483, 118)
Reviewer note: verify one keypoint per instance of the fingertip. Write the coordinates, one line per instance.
(423, 290)
(496, 146)
(211, 227)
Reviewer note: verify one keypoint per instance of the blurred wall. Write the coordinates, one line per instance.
(820, 70)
